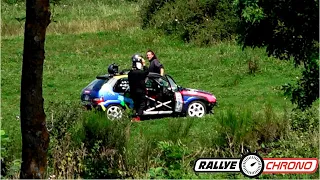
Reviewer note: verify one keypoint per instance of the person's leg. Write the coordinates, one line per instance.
(142, 104)
(136, 101)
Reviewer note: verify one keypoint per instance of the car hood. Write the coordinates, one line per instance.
(199, 93)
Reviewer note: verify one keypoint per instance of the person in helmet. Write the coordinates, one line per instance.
(113, 69)
(137, 77)
(155, 65)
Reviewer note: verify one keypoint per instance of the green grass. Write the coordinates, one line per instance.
(72, 61)
(88, 36)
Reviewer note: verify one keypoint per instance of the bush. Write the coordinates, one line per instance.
(200, 21)
(241, 128)
(169, 160)
(62, 116)
(306, 91)
(106, 143)
(307, 120)
(85, 143)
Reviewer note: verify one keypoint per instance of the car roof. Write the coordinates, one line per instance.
(119, 76)
(108, 76)
(154, 75)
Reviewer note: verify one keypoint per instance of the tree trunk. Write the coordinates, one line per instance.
(35, 136)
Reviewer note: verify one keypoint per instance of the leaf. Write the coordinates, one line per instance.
(158, 169)
(2, 132)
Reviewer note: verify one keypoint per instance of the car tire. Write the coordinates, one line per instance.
(196, 109)
(114, 112)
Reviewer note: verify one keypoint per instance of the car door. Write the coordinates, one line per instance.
(166, 90)
(121, 87)
(177, 96)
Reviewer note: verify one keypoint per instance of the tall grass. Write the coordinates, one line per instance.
(89, 35)
(70, 17)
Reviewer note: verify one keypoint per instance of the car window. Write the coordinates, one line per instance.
(164, 82)
(121, 85)
(96, 84)
(173, 84)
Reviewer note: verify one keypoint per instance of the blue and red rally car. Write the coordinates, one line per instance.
(111, 92)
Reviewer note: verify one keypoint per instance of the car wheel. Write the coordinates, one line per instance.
(114, 112)
(196, 109)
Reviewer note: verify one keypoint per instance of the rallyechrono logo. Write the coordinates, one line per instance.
(251, 165)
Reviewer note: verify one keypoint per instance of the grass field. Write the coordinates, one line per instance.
(89, 35)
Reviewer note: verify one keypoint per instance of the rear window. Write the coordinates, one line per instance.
(96, 84)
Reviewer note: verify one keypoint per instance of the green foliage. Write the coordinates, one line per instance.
(179, 128)
(88, 146)
(4, 141)
(249, 10)
(240, 128)
(61, 116)
(200, 21)
(21, 1)
(306, 121)
(106, 141)
(85, 41)
(12, 1)
(289, 29)
(13, 169)
(298, 145)
(306, 91)
(9, 169)
(170, 159)
(149, 9)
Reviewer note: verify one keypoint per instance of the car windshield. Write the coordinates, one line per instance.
(173, 84)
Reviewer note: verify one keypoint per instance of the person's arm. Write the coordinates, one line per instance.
(160, 66)
(161, 71)
(145, 68)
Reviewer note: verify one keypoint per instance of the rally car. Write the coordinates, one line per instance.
(111, 93)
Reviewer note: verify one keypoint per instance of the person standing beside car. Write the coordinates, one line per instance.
(137, 77)
(155, 65)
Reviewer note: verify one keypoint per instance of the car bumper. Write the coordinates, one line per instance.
(211, 106)
(88, 104)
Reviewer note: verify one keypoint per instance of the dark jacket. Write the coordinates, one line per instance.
(155, 66)
(137, 80)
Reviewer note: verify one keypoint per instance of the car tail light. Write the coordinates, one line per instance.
(98, 100)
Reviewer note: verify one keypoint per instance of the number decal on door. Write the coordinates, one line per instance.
(179, 102)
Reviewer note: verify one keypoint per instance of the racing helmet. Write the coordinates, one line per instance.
(137, 61)
(113, 69)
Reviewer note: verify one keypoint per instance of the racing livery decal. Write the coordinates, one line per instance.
(179, 102)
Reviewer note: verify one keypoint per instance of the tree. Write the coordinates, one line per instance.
(35, 136)
(288, 29)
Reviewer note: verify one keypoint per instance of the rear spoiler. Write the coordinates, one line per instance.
(105, 76)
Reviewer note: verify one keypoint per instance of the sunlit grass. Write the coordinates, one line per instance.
(88, 36)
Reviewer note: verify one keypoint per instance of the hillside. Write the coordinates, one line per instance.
(89, 35)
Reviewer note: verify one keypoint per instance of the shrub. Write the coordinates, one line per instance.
(306, 91)
(66, 159)
(4, 140)
(62, 116)
(200, 21)
(179, 128)
(307, 120)
(106, 143)
(169, 160)
(149, 9)
(241, 128)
